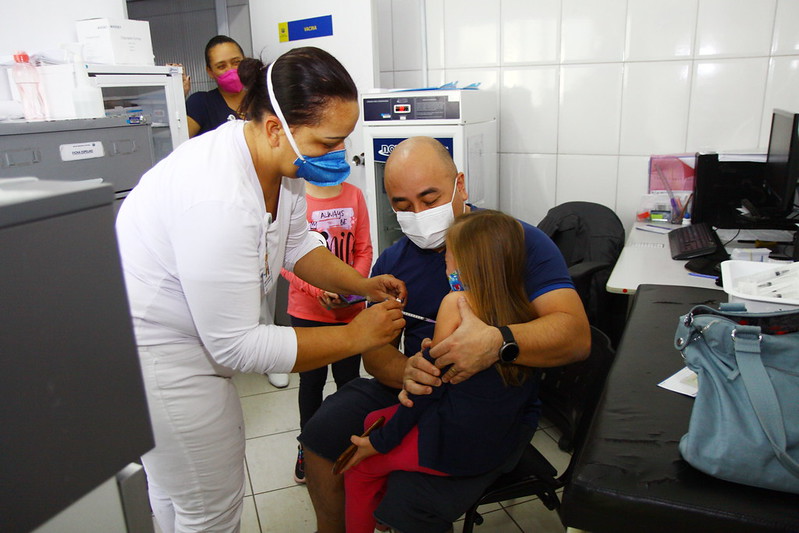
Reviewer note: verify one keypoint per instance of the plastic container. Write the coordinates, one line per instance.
(30, 91)
(87, 97)
(732, 270)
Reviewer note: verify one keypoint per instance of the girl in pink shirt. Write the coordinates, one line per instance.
(339, 215)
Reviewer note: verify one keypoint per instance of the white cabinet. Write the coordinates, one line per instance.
(155, 91)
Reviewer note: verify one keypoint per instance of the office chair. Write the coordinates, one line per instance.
(590, 237)
(534, 475)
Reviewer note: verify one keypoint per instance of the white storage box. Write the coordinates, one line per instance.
(115, 41)
(731, 270)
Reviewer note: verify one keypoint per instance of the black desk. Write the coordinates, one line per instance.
(629, 475)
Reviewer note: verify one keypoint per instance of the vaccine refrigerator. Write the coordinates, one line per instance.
(464, 121)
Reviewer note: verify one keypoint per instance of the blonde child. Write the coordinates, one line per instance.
(472, 427)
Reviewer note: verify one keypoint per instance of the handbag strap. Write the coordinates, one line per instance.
(747, 341)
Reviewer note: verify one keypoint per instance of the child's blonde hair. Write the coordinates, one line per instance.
(488, 247)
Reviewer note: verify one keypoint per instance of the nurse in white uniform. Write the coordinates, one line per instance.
(203, 238)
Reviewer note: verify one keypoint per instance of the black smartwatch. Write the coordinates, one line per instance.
(509, 350)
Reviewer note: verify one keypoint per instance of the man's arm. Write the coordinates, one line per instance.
(386, 364)
(560, 335)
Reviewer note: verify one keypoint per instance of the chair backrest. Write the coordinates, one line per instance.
(587, 232)
(568, 392)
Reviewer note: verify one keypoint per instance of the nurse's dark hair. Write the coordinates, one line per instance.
(304, 80)
(215, 41)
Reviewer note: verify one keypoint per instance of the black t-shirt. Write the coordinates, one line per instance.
(209, 110)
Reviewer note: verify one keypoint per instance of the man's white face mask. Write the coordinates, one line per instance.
(428, 229)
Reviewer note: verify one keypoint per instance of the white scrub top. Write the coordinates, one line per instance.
(200, 252)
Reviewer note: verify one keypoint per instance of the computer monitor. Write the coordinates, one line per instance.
(782, 163)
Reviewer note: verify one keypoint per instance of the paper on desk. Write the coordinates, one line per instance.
(683, 382)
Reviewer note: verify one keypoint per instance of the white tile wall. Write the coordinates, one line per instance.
(406, 17)
(786, 28)
(587, 178)
(726, 103)
(735, 29)
(589, 89)
(654, 115)
(593, 31)
(530, 32)
(531, 185)
(590, 108)
(471, 33)
(782, 89)
(660, 30)
(529, 110)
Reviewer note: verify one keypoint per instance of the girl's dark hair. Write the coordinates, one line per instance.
(217, 40)
(304, 80)
(488, 247)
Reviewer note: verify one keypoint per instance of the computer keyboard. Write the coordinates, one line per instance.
(694, 240)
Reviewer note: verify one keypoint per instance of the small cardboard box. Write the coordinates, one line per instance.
(115, 41)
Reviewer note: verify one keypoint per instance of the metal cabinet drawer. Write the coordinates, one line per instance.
(107, 148)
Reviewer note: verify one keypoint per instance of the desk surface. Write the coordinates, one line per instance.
(630, 476)
(646, 258)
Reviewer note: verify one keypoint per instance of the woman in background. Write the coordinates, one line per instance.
(205, 110)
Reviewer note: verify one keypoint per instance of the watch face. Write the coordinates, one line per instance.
(509, 352)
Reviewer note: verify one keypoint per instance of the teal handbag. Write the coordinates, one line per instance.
(744, 424)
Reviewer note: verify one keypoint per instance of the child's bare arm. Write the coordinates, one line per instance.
(448, 317)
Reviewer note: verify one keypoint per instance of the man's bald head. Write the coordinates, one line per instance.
(416, 152)
(421, 174)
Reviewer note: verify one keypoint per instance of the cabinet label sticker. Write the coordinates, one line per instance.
(76, 152)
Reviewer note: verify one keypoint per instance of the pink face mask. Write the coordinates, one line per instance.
(229, 81)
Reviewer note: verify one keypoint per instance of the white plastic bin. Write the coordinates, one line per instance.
(731, 270)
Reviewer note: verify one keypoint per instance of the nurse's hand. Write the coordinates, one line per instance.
(384, 287)
(377, 325)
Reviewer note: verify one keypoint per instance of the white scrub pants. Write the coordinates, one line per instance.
(195, 472)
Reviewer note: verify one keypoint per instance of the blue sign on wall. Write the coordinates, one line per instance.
(384, 146)
(296, 30)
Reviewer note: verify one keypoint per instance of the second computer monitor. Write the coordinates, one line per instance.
(782, 165)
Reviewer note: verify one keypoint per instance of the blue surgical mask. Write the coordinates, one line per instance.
(455, 282)
(324, 170)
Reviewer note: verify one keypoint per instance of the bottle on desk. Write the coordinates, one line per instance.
(27, 80)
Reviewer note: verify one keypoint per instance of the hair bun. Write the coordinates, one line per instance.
(250, 70)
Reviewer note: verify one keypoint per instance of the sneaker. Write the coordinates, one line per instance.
(299, 467)
(281, 381)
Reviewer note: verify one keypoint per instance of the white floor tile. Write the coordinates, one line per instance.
(271, 461)
(286, 511)
(249, 517)
(272, 412)
(532, 517)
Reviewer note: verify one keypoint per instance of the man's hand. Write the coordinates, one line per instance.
(384, 287)
(472, 347)
(365, 449)
(419, 377)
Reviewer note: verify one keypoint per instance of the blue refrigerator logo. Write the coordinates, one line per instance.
(382, 148)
